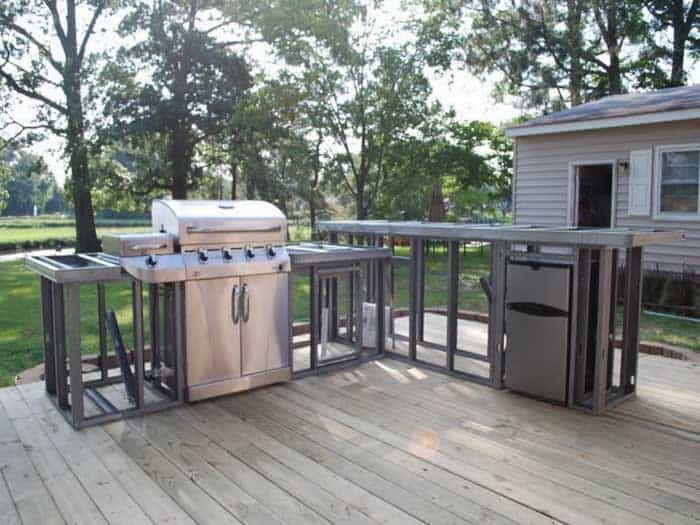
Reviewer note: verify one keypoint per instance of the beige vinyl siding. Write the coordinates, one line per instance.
(542, 181)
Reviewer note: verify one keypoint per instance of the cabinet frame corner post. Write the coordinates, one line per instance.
(102, 328)
(380, 295)
(602, 346)
(48, 332)
(630, 328)
(72, 300)
(413, 299)
(452, 301)
(137, 305)
(180, 338)
(496, 328)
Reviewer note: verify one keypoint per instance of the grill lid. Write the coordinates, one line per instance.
(215, 224)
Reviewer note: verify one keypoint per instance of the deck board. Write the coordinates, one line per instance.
(384, 442)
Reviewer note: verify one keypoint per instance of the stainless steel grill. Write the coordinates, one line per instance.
(233, 260)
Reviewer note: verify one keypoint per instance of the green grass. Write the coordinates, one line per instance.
(57, 221)
(20, 318)
(14, 232)
(66, 233)
(474, 263)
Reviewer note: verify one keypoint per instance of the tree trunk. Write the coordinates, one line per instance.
(234, 181)
(85, 234)
(180, 163)
(360, 197)
(436, 207)
(574, 43)
(611, 40)
(681, 31)
(361, 210)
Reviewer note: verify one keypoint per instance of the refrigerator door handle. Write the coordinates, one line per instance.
(536, 309)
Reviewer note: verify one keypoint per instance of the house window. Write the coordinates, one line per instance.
(679, 184)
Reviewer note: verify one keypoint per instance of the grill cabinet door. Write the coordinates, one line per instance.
(213, 338)
(265, 333)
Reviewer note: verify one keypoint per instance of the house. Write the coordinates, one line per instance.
(621, 161)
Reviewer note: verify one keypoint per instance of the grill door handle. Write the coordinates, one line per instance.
(212, 229)
(245, 303)
(235, 297)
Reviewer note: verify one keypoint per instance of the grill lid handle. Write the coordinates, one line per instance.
(213, 229)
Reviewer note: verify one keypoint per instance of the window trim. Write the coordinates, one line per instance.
(657, 170)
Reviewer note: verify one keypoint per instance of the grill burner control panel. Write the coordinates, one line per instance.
(207, 264)
(235, 261)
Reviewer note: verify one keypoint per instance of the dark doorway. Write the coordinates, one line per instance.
(594, 195)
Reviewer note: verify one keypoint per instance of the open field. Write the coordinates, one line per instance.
(24, 233)
(20, 321)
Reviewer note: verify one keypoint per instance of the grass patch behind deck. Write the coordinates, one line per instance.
(20, 311)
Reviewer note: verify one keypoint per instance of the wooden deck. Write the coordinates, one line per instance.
(381, 443)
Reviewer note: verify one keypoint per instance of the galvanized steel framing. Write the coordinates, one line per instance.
(590, 251)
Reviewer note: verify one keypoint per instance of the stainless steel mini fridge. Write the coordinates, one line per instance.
(537, 329)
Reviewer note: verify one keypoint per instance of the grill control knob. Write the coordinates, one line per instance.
(203, 257)
(151, 261)
(249, 253)
(271, 251)
(227, 254)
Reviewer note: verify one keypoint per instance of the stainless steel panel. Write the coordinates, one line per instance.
(519, 233)
(79, 268)
(213, 336)
(230, 386)
(236, 263)
(130, 244)
(156, 268)
(536, 355)
(264, 322)
(547, 285)
(217, 224)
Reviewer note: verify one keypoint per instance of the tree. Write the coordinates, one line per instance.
(682, 19)
(4, 179)
(448, 170)
(190, 95)
(27, 183)
(366, 94)
(30, 68)
(551, 54)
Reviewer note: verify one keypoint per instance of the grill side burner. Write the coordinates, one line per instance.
(232, 258)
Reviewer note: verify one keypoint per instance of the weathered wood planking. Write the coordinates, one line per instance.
(384, 442)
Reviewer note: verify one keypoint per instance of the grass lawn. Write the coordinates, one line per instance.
(64, 233)
(20, 319)
(51, 230)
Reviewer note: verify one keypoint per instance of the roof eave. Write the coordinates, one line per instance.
(604, 123)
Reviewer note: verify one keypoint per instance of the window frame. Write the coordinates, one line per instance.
(658, 174)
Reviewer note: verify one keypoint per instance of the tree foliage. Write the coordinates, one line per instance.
(30, 67)
(450, 170)
(192, 86)
(25, 182)
(556, 53)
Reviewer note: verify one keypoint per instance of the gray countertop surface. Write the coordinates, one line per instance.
(562, 236)
(307, 254)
